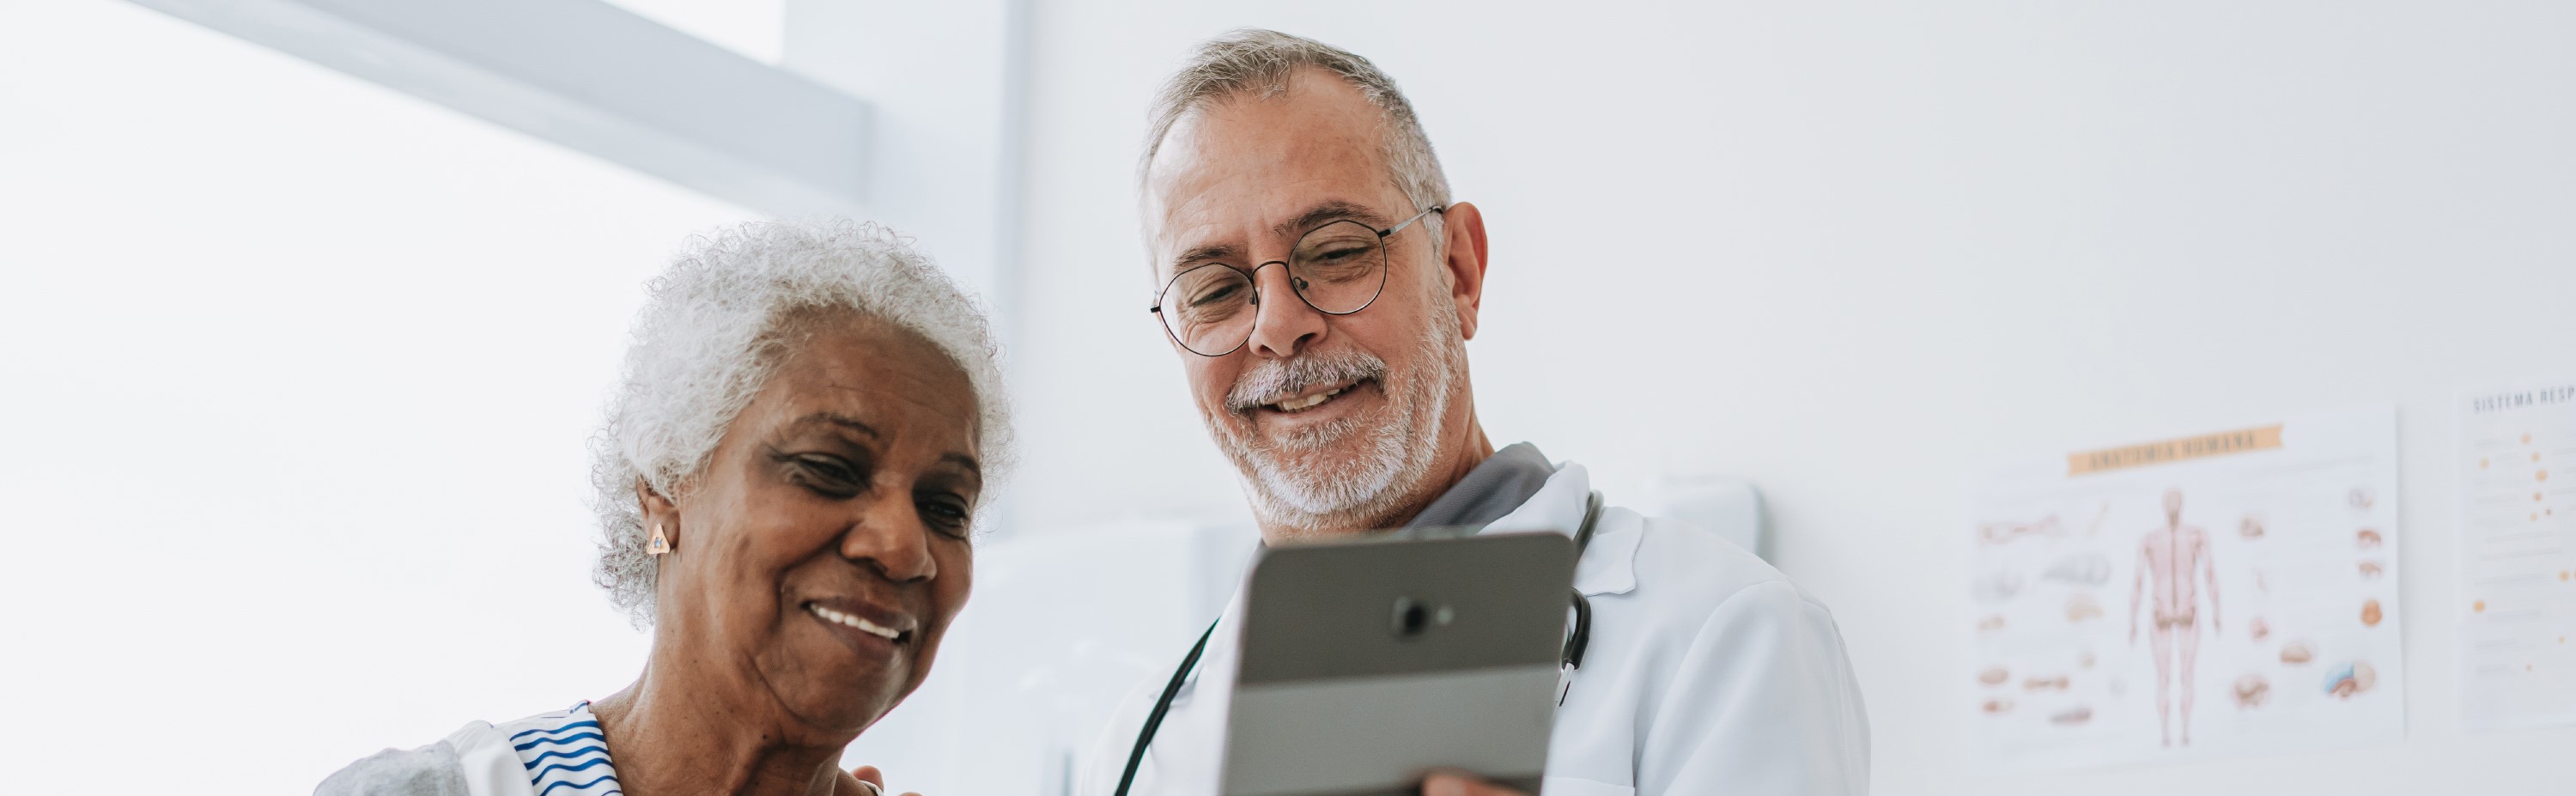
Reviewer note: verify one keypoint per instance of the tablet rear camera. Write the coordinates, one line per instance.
(1412, 617)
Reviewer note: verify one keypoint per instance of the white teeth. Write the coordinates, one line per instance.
(864, 626)
(1295, 404)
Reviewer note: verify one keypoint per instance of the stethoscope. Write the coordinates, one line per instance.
(1567, 661)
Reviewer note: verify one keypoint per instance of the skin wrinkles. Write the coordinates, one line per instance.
(1325, 213)
(1245, 177)
(850, 477)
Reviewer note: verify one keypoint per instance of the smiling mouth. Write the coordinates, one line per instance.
(863, 625)
(1295, 405)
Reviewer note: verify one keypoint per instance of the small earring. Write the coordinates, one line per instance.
(660, 544)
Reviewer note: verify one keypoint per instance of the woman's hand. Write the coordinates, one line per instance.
(863, 781)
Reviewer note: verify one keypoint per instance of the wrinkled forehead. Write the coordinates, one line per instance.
(858, 366)
(1243, 170)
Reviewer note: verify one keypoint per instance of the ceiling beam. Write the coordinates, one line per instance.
(593, 77)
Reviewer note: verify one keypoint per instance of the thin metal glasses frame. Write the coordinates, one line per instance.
(1252, 277)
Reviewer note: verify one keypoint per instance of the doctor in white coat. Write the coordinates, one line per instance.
(1319, 285)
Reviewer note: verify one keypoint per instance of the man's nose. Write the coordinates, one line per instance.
(1284, 322)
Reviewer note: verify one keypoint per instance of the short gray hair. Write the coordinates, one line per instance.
(713, 330)
(1260, 63)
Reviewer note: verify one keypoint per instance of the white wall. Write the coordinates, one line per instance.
(1859, 254)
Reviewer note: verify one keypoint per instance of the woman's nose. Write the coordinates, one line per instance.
(891, 536)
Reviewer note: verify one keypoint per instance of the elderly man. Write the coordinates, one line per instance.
(1337, 383)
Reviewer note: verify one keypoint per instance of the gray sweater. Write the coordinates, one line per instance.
(432, 770)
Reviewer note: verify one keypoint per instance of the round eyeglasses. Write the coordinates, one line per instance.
(1338, 269)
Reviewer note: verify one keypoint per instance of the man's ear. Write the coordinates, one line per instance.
(1463, 227)
(658, 510)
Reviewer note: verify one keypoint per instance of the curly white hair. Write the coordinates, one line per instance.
(714, 328)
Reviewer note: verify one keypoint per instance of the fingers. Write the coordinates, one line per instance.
(1460, 784)
(874, 780)
(861, 781)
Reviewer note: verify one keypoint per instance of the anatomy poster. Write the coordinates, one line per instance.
(2223, 592)
(2517, 602)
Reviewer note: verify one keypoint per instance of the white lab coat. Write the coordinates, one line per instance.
(1708, 673)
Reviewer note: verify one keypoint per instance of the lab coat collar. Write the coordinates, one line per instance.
(1609, 564)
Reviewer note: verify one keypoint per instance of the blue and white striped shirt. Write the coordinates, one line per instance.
(564, 752)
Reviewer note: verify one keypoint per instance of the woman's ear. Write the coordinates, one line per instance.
(661, 516)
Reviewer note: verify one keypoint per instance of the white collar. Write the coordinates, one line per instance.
(1609, 563)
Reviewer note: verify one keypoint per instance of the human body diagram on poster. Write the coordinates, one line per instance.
(2256, 573)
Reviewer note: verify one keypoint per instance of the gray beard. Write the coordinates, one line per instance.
(1354, 472)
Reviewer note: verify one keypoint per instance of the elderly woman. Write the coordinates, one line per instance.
(786, 487)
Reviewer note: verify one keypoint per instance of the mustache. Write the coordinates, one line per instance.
(1269, 380)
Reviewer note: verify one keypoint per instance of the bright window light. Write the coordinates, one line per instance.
(298, 378)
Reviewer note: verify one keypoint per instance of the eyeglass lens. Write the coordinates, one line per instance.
(1338, 269)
